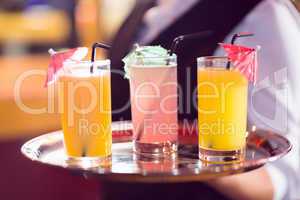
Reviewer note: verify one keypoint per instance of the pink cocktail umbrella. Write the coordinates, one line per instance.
(59, 58)
(243, 58)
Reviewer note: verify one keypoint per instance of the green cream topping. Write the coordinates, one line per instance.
(146, 56)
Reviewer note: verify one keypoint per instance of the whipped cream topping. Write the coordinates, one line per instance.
(147, 56)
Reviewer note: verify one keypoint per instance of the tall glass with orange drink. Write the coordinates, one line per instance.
(222, 110)
(85, 105)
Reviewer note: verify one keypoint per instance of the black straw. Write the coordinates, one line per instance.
(234, 38)
(179, 39)
(97, 45)
(84, 152)
(239, 35)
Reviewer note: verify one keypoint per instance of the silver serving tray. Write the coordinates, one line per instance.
(262, 147)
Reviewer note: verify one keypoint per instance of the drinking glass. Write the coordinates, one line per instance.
(85, 106)
(153, 94)
(222, 110)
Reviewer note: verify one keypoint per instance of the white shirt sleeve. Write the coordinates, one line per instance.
(274, 102)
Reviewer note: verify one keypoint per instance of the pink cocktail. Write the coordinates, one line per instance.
(153, 92)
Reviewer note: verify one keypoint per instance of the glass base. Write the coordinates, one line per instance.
(88, 162)
(164, 149)
(218, 156)
(150, 164)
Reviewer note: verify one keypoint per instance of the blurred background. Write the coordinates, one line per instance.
(28, 28)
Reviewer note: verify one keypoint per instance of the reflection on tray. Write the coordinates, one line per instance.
(262, 147)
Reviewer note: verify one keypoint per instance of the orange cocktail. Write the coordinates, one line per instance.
(222, 110)
(85, 102)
